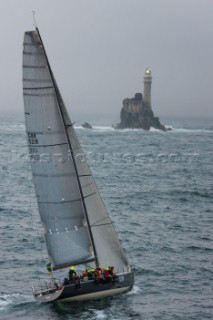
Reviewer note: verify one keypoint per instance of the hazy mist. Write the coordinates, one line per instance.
(99, 50)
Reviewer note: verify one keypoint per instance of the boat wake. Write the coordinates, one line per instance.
(100, 314)
(14, 300)
(135, 291)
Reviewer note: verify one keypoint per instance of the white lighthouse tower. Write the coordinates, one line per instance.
(147, 88)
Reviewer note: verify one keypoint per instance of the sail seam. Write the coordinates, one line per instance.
(100, 220)
(46, 132)
(32, 53)
(64, 201)
(53, 175)
(48, 145)
(38, 88)
(36, 80)
(89, 195)
(35, 44)
(38, 94)
(34, 67)
(102, 224)
(85, 175)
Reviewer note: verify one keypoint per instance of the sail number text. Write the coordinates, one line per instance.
(32, 139)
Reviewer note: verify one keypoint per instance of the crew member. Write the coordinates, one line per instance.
(72, 273)
(49, 269)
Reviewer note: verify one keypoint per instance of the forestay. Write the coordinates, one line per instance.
(57, 190)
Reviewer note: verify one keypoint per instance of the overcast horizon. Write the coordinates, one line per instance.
(98, 51)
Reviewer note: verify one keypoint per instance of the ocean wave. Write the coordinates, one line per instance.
(170, 128)
(5, 128)
(199, 248)
(100, 314)
(96, 128)
(189, 130)
(185, 195)
(14, 300)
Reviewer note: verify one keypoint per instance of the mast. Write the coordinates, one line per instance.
(60, 103)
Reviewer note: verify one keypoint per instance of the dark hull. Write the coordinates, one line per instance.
(88, 290)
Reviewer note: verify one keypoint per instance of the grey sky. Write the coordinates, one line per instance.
(99, 49)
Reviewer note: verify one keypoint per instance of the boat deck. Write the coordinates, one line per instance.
(85, 290)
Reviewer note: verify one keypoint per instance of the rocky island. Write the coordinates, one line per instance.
(86, 125)
(137, 112)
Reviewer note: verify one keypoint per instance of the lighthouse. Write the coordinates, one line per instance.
(147, 89)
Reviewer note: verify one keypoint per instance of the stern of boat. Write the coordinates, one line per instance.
(48, 291)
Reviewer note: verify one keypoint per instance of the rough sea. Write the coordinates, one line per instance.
(158, 188)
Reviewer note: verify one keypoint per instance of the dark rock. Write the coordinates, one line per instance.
(87, 125)
(137, 115)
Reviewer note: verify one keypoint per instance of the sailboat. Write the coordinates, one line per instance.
(77, 228)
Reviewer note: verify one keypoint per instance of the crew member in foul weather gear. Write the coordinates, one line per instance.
(49, 268)
(107, 275)
(72, 273)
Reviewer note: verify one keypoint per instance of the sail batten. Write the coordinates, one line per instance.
(47, 145)
(64, 201)
(38, 88)
(34, 67)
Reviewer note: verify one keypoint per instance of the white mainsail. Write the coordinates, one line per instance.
(76, 223)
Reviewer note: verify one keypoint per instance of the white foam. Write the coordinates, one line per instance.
(100, 314)
(155, 130)
(5, 300)
(184, 130)
(135, 290)
(13, 299)
(3, 303)
(12, 127)
(103, 128)
(96, 128)
(176, 130)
